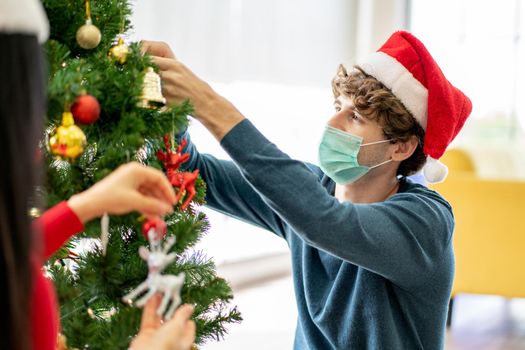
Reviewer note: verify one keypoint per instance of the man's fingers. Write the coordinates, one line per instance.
(156, 48)
(150, 319)
(162, 62)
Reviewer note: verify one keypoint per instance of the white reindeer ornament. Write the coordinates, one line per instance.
(170, 285)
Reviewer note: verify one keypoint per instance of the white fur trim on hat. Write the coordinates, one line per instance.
(25, 17)
(434, 171)
(401, 82)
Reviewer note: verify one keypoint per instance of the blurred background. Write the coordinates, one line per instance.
(275, 59)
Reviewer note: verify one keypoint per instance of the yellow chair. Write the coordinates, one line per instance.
(489, 239)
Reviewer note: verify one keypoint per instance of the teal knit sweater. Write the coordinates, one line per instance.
(366, 276)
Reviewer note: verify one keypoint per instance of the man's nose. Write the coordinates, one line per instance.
(336, 121)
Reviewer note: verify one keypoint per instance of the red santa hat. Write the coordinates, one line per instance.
(405, 66)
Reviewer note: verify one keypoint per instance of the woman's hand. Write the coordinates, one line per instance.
(179, 83)
(131, 187)
(175, 334)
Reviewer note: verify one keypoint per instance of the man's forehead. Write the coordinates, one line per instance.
(344, 101)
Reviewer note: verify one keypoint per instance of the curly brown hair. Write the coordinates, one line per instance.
(376, 102)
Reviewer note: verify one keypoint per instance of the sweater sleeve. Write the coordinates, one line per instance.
(57, 225)
(401, 239)
(228, 191)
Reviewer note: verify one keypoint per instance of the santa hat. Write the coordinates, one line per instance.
(24, 17)
(405, 66)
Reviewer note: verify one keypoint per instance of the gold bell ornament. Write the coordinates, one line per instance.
(67, 141)
(88, 36)
(119, 53)
(151, 91)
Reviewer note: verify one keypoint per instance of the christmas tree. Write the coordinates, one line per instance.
(105, 108)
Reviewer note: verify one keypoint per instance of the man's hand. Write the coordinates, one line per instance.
(156, 48)
(179, 84)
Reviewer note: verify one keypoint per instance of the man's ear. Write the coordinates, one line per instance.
(404, 150)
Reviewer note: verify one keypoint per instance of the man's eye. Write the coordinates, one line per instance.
(337, 108)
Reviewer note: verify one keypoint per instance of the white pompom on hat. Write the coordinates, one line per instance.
(404, 65)
(24, 17)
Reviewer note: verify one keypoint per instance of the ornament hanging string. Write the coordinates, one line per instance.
(88, 10)
(104, 232)
(122, 21)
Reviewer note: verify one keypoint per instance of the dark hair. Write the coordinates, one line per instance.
(376, 102)
(22, 105)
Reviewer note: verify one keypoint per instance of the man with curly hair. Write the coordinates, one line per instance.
(371, 251)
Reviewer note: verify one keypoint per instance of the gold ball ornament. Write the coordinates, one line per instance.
(67, 141)
(119, 53)
(88, 36)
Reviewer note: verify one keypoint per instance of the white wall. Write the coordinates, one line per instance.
(284, 42)
(274, 60)
(293, 41)
(376, 20)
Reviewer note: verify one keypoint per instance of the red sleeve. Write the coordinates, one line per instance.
(44, 312)
(57, 224)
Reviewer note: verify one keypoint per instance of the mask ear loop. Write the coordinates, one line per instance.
(376, 142)
(378, 165)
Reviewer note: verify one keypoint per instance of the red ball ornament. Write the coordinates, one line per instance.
(158, 225)
(86, 109)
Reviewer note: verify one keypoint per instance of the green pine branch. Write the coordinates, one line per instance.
(90, 286)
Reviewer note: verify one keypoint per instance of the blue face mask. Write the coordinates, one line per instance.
(338, 152)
